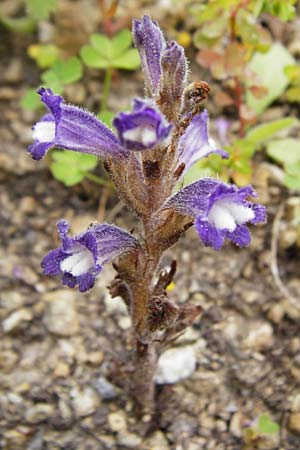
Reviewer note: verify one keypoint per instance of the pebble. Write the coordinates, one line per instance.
(13, 72)
(61, 316)
(8, 359)
(117, 421)
(84, 402)
(294, 422)
(10, 300)
(295, 403)
(106, 389)
(129, 440)
(260, 336)
(157, 441)
(95, 358)
(39, 412)
(175, 364)
(62, 370)
(16, 319)
(236, 424)
(276, 313)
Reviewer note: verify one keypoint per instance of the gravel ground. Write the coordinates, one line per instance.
(63, 355)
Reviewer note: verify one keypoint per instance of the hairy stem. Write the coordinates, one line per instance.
(143, 387)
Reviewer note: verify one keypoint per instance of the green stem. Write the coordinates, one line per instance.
(106, 89)
(98, 180)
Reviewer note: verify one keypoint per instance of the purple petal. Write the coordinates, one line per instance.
(69, 280)
(75, 129)
(259, 211)
(150, 43)
(86, 282)
(39, 149)
(240, 236)
(209, 234)
(143, 128)
(51, 262)
(222, 128)
(195, 144)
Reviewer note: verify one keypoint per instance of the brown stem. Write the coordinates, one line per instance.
(143, 387)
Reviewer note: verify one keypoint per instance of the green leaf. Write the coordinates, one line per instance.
(102, 44)
(292, 181)
(51, 80)
(44, 55)
(70, 167)
(68, 71)
(293, 94)
(269, 67)
(21, 25)
(30, 100)
(266, 425)
(129, 61)
(262, 133)
(120, 43)
(92, 58)
(40, 9)
(285, 151)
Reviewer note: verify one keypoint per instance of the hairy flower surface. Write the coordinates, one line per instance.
(195, 143)
(72, 128)
(220, 210)
(80, 258)
(150, 43)
(143, 128)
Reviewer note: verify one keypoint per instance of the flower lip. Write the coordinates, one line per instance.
(143, 128)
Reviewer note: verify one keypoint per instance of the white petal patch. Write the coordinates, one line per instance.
(225, 215)
(221, 217)
(79, 263)
(142, 134)
(44, 131)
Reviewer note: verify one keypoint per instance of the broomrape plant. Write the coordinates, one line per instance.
(156, 142)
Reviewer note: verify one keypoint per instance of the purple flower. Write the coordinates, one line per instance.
(195, 143)
(221, 211)
(143, 128)
(79, 259)
(72, 128)
(222, 125)
(150, 43)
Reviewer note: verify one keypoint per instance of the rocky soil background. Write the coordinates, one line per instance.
(64, 356)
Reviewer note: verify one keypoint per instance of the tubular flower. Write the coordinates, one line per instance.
(143, 128)
(72, 128)
(195, 143)
(220, 210)
(79, 259)
(150, 43)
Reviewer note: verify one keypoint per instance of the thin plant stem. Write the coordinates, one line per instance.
(106, 89)
(98, 180)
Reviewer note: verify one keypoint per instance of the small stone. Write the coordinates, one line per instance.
(129, 440)
(10, 300)
(84, 402)
(260, 336)
(175, 364)
(14, 440)
(61, 316)
(276, 313)
(236, 424)
(106, 390)
(95, 358)
(295, 403)
(157, 441)
(294, 422)
(13, 73)
(124, 323)
(27, 204)
(39, 412)
(62, 370)
(8, 359)
(117, 421)
(16, 320)
(75, 92)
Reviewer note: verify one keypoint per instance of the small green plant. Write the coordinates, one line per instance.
(290, 160)
(239, 166)
(293, 74)
(59, 72)
(250, 80)
(108, 54)
(263, 427)
(33, 12)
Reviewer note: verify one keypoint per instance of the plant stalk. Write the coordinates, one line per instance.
(106, 89)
